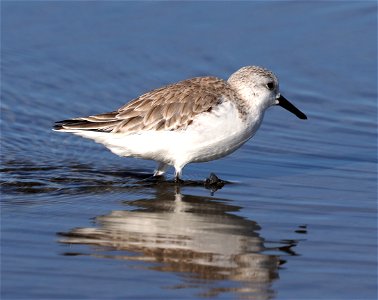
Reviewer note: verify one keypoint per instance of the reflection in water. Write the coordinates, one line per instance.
(189, 234)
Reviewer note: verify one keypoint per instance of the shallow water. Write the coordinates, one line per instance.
(298, 219)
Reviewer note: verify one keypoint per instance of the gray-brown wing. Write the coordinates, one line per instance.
(167, 108)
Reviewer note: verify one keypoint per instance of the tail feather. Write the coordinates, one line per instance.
(103, 123)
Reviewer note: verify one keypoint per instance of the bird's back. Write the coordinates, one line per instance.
(172, 107)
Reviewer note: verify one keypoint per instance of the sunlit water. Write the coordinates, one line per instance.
(298, 219)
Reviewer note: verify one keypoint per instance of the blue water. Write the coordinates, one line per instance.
(299, 219)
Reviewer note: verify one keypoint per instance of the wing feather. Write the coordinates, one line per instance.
(168, 108)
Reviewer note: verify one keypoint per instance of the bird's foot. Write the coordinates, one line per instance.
(178, 180)
(214, 183)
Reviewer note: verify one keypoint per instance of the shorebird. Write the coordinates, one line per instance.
(194, 120)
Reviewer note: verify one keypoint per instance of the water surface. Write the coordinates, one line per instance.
(298, 218)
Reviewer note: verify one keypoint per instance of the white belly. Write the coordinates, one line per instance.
(211, 136)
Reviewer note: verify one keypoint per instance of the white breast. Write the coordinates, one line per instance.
(219, 133)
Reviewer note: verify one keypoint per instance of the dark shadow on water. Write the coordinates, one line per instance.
(200, 238)
(20, 177)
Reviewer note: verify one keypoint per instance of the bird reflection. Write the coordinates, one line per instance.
(194, 235)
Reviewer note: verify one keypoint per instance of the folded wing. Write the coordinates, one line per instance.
(172, 107)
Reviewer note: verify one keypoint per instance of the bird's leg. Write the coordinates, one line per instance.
(160, 170)
(177, 176)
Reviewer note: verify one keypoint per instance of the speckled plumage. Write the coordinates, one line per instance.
(172, 107)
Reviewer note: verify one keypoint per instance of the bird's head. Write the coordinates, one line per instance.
(260, 88)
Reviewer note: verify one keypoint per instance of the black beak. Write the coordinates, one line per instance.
(282, 101)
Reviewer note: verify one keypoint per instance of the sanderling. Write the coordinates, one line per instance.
(194, 120)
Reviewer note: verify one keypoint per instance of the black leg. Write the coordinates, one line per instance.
(178, 179)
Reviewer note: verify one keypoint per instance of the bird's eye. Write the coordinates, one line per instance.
(270, 85)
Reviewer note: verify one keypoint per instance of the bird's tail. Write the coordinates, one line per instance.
(100, 123)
